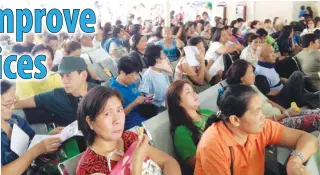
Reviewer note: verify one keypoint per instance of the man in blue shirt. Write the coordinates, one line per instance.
(284, 91)
(302, 11)
(125, 84)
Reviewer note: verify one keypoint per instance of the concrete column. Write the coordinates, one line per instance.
(167, 19)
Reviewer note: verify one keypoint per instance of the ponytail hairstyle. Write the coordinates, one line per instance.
(236, 71)
(135, 39)
(177, 114)
(233, 100)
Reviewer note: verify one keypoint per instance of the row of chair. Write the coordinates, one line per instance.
(159, 129)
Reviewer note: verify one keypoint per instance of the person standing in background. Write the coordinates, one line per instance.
(309, 13)
(302, 11)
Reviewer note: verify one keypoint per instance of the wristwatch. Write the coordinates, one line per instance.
(298, 154)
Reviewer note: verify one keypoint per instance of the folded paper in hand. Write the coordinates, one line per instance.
(20, 140)
(191, 52)
(67, 132)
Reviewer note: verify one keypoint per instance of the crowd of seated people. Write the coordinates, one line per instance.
(119, 77)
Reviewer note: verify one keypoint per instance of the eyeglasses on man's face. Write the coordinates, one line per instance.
(9, 103)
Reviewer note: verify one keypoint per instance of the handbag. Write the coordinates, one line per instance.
(123, 167)
(47, 164)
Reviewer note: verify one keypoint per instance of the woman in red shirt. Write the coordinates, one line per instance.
(101, 119)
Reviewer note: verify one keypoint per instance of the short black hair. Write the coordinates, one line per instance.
(174, 30)
(136, 28)
(92, 105)
(302, 7)
(201, 21)
(5, 86)
(205, 13)
(49, 37)
(127, 65)
(135, 41)
(262, 32)
(116, 31)
(252, 37)
(253, 23)
(195, 41)
(42, 47)
(158, 32)
(71, 46)
(267, 21)
(194, 24)
(217, 34)
(233, 23)
(307, 38)
(118, 22)
(206, 23)
(152, 53)
(240, 20)
(298, 27)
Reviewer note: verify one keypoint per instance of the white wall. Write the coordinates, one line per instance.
(315, 6)
(267, 9)
(231, 9)
(261, 10)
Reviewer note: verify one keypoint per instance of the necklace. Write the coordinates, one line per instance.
(109, 155)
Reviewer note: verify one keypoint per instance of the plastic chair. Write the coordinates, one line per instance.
(159, 129)
(69, 165)
(308, 83)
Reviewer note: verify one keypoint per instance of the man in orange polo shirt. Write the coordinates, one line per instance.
(236, 145)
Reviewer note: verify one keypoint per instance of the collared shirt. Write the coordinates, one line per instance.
(213, 153)
(7, 155)
(129, 94)
(182, 138)
(156, 83)
(310, 64)
(171, 51)
(57, 102)
(268, 70)
(26, 89)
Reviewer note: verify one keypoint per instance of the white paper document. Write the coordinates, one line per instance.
(191, 52)
(38, 138)
(19, 140)
(67, 132)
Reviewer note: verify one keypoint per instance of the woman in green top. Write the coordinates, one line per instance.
(188, 122)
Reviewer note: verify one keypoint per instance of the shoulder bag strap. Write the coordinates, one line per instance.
(231, 165)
